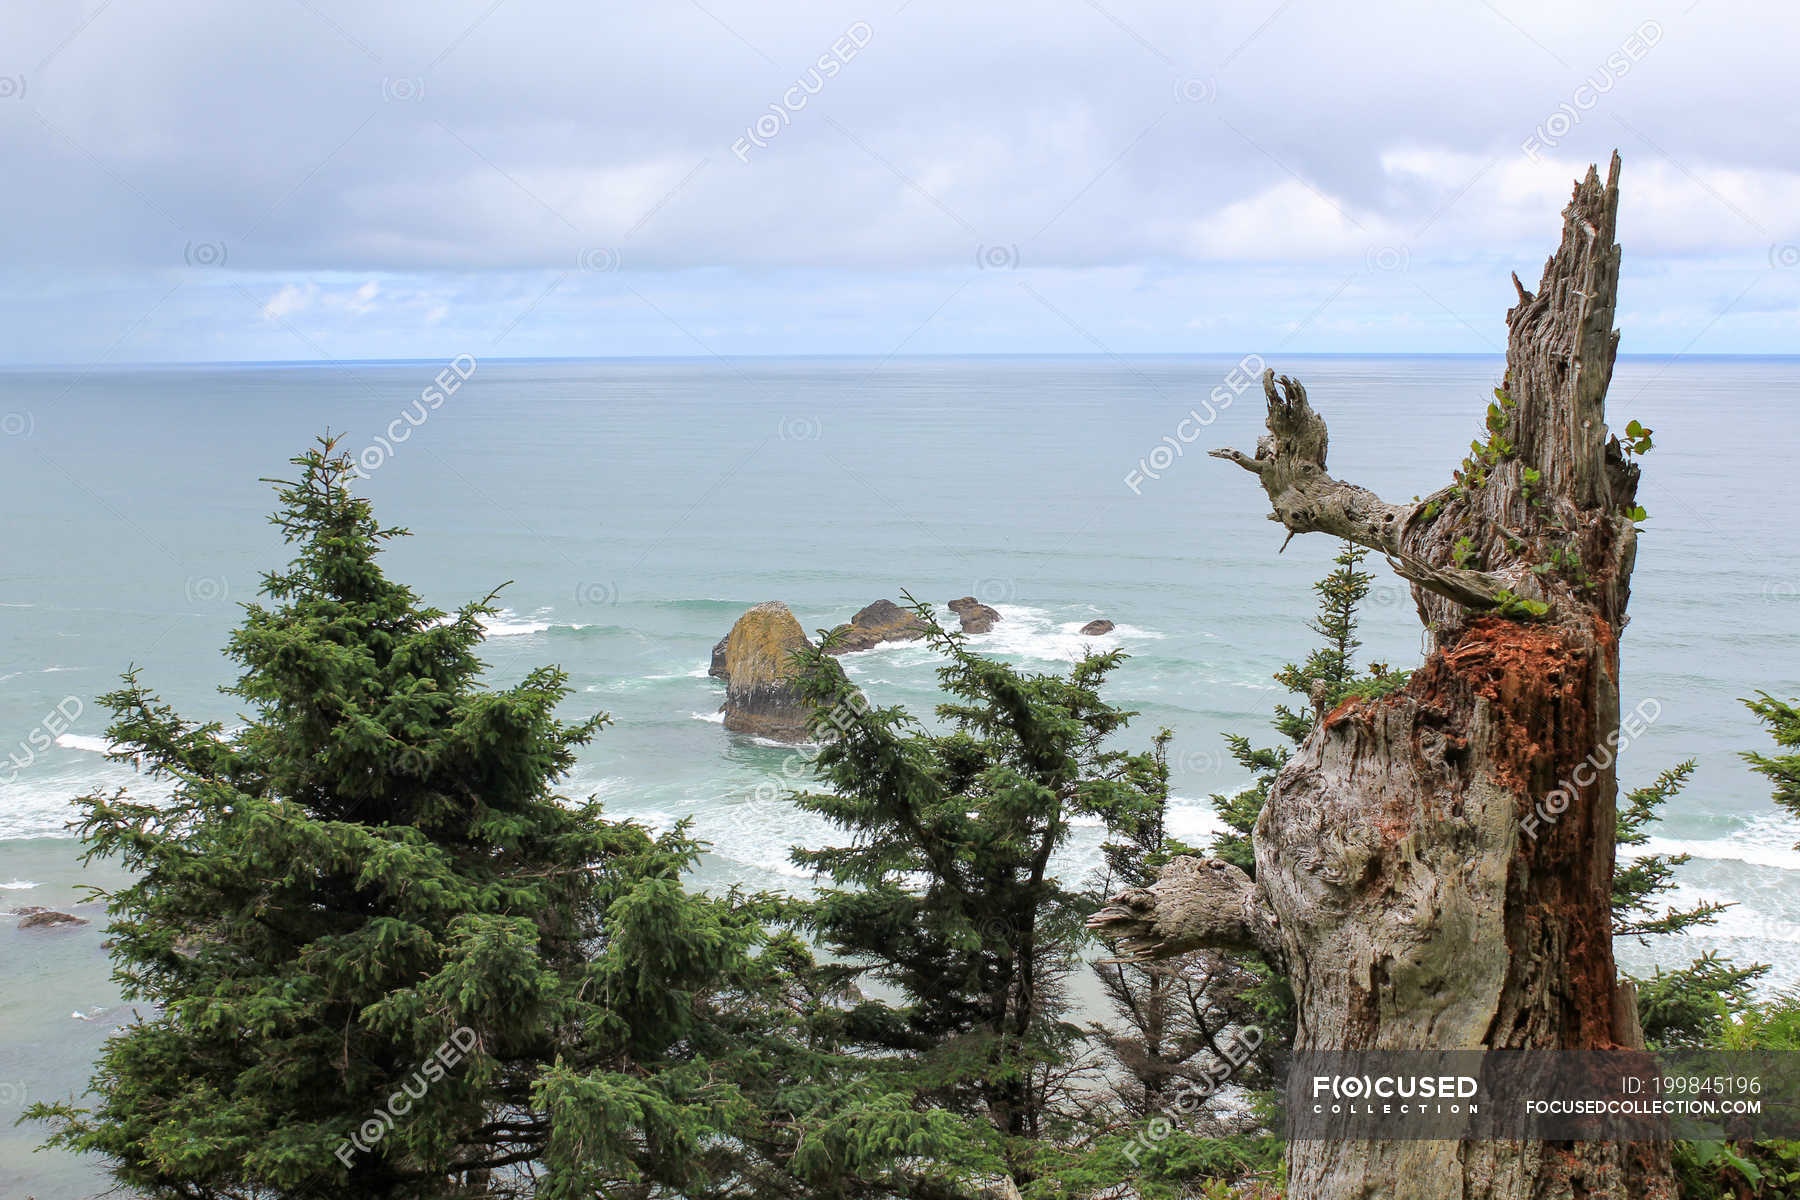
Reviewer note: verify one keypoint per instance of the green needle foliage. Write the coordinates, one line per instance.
(1781, 770)
(376, 867)
(1685, 1006)
(1327, 678)
(947, 895)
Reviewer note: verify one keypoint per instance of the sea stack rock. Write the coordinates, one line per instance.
(1096, 628)
(718, 669)
(759, 697)
(44, 918)
(976, 616)
(882, 621)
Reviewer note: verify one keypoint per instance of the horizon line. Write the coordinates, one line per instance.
(168, 364)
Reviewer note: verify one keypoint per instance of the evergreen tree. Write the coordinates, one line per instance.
(1686, 1006)
(1714, 1009)
(382, 957)
(1324, 680)
(1781, 770)
(947, 894)
(1326, 675)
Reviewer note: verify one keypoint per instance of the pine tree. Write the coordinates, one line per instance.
(1328, 671)
(1782, 770)
(381, 957)
(1712, 1007)
(947, 895)
(1326, 678)
(1686, 1006)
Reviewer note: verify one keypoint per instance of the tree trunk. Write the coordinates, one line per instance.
(1434, 868)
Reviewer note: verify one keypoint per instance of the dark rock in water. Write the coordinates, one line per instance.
(718, 669)
(1096, 628)
(45, 918)
(882, 621)
(976, 616)
(759, 696)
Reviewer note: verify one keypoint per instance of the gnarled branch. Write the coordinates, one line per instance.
(1290, 462)
(1195, 904)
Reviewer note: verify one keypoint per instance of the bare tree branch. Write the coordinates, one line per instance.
(1195, 904)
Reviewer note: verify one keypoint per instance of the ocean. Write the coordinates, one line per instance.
(633, 509)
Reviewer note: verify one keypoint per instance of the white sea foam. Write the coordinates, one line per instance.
(773, 744)
(40, 803)
(716, 718)
(1728, 850)
(1764, 841)
(1034, 633)
(1193, 821)
(82, 741)
(18, 885)
(507, 623)
(1746, 919)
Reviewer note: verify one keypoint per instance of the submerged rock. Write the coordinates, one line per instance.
(1096, 628)
(976, 616)
(45, 918)
(760, 697)
(882, 621)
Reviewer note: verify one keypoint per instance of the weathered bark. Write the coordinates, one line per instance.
(1424, 894)
(1194, 904)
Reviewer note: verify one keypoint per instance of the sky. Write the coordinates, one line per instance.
(221, 180)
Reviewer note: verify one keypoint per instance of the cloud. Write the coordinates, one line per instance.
(362, 300)
(291, 299)
(490, 156)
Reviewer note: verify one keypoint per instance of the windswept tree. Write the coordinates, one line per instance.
(382, 958)
(1434, 867)
(946, 894)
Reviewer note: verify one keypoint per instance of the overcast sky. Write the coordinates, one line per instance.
(337, 179)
